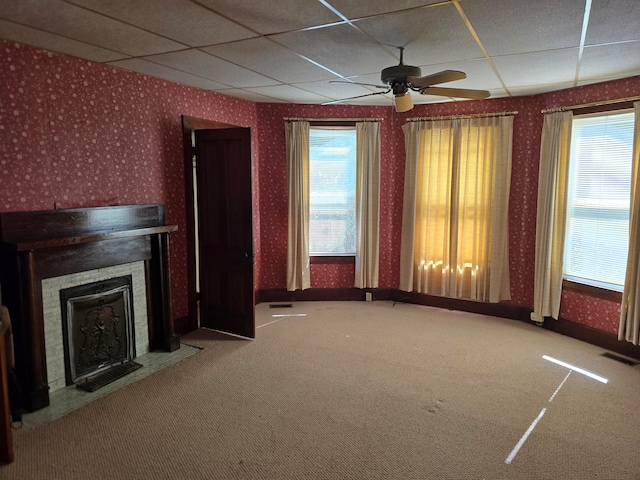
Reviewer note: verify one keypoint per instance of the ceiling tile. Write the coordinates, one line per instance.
(153, 69)
(609, 62)
(251, 96)
(537, 89)
(270, 59)
(353, 10)
(479, 73)
(56, 43)
(207, 66)
(422, 99)
(273, 16)
(191, 24)
(64, 19)
(335, 91)
(498, 93)
(371, 78)
(341, 48)
(508, 26)
(430, 35)
(540, 68)
(289, 94)
(613, 21)
(378, 100)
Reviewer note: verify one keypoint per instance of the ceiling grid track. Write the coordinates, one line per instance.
(583, 37)
(466, 21)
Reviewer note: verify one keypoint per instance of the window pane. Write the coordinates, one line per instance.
(597, 234)
(332, 190)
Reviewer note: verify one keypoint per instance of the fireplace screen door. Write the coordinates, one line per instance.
(98, 327)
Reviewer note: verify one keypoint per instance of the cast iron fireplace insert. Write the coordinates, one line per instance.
(98, 332)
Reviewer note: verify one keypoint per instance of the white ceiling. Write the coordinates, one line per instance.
(287, 51)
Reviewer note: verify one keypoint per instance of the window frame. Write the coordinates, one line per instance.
(572, 284)
(332, 259)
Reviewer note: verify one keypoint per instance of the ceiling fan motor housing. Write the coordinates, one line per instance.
(399, 73)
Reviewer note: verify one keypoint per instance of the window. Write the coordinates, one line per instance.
(332, 190)
(456, 199)
(597, 232)
(454, 234)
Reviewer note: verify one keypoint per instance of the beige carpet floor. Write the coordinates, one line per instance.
(357, 390)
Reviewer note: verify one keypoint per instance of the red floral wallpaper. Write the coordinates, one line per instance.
(75, 133)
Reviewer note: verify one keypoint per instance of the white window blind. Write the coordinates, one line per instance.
(597, 235)
(332, 190)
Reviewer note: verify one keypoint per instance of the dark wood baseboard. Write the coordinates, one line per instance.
(502, 310)
(575, 330)
(183, 325)
(357, 294)
(608, 341)
(319, 294)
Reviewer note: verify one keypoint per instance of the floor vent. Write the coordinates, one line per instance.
(617, 358)
(281, 305)
(116, 372)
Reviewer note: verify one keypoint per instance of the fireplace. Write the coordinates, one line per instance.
(70, 245)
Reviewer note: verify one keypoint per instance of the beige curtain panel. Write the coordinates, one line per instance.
(297, 141)
(456, 205)
(551, 214)
(367, 204)
(630, 308)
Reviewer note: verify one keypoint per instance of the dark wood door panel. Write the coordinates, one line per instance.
(226, 230)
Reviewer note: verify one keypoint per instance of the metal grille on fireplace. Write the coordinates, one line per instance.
(99, 340)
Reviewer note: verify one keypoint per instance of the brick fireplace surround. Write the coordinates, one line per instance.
(43, 245)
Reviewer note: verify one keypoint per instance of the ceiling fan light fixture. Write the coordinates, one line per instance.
(403, 102)
(401, 78)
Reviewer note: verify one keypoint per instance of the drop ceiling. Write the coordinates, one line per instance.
(288, 51)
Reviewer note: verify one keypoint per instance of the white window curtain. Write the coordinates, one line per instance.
(551, 214)
(297, 145)
(455, 213)
(630, 309)
(367, 205)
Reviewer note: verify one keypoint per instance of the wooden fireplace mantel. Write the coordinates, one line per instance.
(49, 243)
(96, 237)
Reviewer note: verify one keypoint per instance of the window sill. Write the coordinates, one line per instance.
(590, 290)
(332, 259)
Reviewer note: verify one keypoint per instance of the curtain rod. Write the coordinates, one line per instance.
(295, 119)
(592, 104)
(471, 115)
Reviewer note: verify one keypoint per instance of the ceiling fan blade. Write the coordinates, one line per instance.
(440, 77)
(353, 98)
(346, 82)
(456, 92)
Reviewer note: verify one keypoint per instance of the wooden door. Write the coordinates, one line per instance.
(224, 191)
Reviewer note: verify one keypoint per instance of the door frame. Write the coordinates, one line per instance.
(189, 124)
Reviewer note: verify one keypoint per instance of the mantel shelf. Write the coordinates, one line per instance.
(22, 246)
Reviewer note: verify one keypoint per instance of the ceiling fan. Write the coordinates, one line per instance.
(400, 79)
